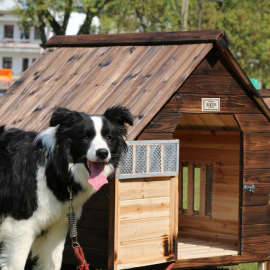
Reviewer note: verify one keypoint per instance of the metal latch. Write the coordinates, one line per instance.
(249, 188)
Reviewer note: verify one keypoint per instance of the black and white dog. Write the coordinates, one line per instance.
(77, 151)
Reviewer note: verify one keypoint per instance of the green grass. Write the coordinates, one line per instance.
(245, 266)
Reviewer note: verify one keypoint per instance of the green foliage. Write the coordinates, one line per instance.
(246, 23)
(143, 16)
(245, 266)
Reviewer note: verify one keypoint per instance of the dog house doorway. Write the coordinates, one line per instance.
(209, 183)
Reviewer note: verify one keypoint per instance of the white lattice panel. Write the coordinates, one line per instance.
(149, 159)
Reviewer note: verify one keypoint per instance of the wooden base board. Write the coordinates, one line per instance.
(192, 249)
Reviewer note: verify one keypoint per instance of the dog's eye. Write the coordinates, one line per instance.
(85, 139)
(108, 138)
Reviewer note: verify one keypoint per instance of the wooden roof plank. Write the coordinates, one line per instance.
(163, 38)
(126, 72)
(139, 93)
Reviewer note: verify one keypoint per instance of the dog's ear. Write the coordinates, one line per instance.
(64, 117)
(119, 115)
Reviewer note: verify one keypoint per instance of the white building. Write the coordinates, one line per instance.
(17, 48)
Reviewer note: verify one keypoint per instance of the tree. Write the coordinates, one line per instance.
(246, 23)
(185, 14)
(141, 16)
(55, 14)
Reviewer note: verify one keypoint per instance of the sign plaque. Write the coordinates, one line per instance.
(211, 104)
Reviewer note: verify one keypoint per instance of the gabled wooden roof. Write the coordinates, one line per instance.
(93, 72)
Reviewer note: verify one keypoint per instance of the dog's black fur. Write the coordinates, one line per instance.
(28, 158)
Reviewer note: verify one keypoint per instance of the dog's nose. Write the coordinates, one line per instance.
(102, 153)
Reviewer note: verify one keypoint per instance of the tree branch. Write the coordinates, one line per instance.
(41, 28)
(68, 10)
(57, 29)
(85, 27)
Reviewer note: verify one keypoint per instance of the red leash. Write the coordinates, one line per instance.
(80, 257)
(73, 234)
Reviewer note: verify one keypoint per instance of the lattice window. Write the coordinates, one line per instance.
(149, 159)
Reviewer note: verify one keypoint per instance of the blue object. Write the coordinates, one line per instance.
(255, 83)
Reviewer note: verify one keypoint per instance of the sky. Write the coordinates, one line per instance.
(76, 21)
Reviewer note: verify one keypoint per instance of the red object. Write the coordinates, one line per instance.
(169, 267)
(80, 256)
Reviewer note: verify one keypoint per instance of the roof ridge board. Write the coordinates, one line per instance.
(129, 39)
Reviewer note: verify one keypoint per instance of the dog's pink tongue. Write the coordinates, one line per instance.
(97, 178)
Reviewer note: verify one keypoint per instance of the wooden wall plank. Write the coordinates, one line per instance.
(164, 121)
(209, 139)
(144, 228)
(253, 122)
(257, 175)
(256, 245)
(144, 208)
(192, 103)
(255, 230)
(212, 66)
(209, 121)
(144, 188)
(139, 252)
(257, 159)
(256, 215)
(205, 85)
(256, 141)
(155, 136)
(210, 225)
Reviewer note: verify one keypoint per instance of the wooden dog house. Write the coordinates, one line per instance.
(182, 86)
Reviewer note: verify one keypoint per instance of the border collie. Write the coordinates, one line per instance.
(77, 151)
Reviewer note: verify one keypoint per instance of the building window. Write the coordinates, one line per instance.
(37, 33)
(25, 34)
(8, 31)
(7, 62)
(25, 64)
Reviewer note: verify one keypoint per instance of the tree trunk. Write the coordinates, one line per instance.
(200, 14)
(184, 15)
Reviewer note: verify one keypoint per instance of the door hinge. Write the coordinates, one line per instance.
(249, 188)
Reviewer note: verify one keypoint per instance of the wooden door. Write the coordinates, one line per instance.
(144, 230)
(145, 226)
